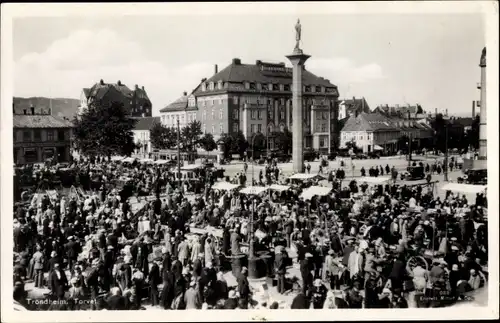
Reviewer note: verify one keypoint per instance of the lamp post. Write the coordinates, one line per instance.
(179, 153)
(253, 155)
(252, 260)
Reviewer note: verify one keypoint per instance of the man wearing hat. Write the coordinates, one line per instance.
(318, 294)
(305, 271)
(58, 282)
(154, 280)
(280, 268)
(243, 288)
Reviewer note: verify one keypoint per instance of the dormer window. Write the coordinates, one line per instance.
(276, 87)
(282, 87)
(287, 87)
(313, 89)
(252, 86)
(211, 86)
(270, 86)
(318, 88)
(259, 86)
(203, 87)
(247, 85)
(219, 85)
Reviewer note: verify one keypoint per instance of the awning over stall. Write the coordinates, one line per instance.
(224, 186)
(253, 190)
(464, 188)
(309, 192)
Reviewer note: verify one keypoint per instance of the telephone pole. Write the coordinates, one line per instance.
(446, 153)
(179, 153)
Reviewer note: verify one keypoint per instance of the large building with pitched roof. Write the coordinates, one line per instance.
(375, 131)
(135, 101)
(38, 136)
(257, 98)
(348, 107)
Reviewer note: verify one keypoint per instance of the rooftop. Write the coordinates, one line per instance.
(146, 123)
(40, 121)
(369, 122)
(180, 104)
(260, 72)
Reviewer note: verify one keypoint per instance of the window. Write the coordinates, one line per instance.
(50, 135)
(259, 114)
(213, 129)
(252, 86)
(213, 114)
(259, 86)
(236, 115)
(37, 135)
(252, 128)
(323, 127)
(287, 87)
(221, 128)
(203, 87)
(321, 141)
(30, 155)
(60, 135)
(318, 88)
(204, 128)
(235, 127)
(282, 87)
(235, 100)
(282, 113)
(219, 85)
(220, 114)
(211, 86)
(253, 115)
(247, 85)
(276, 87)
(259, 128)
(270, 87)
(204, 115)
(360, 137)
(220, 100)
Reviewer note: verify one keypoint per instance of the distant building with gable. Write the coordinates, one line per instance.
(135, 101)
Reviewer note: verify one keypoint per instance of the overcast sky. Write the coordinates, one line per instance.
(387, 58)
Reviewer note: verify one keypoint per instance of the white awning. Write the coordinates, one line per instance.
(128, 160)
(377, 147)
(308, 193)
(280, 188)
(116, 158)
(146, 161)
(191, 167)
(253, 190)
(303, 176)
(225, 186)
(161, 162)
(372, 180)
(464, 188)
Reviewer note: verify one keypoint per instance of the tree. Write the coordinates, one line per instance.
(207, 142)
(226, 143)
(352, 145)
(162, 137)
(239, 143)
(190, 135)
(104, 130)
(284, 141)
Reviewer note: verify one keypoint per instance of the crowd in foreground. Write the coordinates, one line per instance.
(384, 246)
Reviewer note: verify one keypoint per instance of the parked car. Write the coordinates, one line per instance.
(374, 155)
(332, 156)
(359, 156)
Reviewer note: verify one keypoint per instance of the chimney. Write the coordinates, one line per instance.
(204, 79)
(143, 88)
(236, 61)
(184, 93)
(32, 110)
(101, 82)
(446, 112)
(353, 98)
(13, 108)
(25, 111)
(119, 83)
(473, 109)
(137, 87)
(409, 115)
(216, 69)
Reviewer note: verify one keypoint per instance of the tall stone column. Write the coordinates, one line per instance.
(298, 58)
(483, 133)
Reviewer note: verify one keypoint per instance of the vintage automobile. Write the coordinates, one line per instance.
(413, 173)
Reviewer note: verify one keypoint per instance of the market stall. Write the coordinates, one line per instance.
(224, 186)
(309, 192)
(253, 190)
(464, 188)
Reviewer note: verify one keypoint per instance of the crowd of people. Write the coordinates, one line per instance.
(138, 237)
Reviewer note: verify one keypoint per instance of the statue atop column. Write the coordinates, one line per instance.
(298, 32)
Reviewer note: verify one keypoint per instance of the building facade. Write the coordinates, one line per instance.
(135, 101)
(348, 107)
(142, 135)
(39, 136)
(183, 109)
(257, 98)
